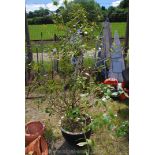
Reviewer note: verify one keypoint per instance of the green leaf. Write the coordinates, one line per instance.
(89, 142)
(87, 153)
(107, 97)
(114, 94)
(47, 110)
(106, 119)
(82, 144)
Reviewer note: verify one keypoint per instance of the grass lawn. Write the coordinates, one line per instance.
(49, 30)
(120, 27)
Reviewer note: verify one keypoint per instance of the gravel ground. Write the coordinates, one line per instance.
(60, 147)
(47, 56)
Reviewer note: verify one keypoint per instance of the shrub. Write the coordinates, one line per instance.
(40, 20)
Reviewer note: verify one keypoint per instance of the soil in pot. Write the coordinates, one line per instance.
(72, 129)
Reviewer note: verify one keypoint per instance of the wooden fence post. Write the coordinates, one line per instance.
(42, 57)
(37, 55)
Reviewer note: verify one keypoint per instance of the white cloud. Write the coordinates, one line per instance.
(32, 7)
(50, 6)
(116, 3)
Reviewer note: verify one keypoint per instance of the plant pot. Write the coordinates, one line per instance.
(38, 146)
(122, 97)
(33, 130)
(74, 138)
(111, 81)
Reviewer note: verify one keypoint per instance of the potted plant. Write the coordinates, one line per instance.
(67, 100)
(74, 126)
(75, 122)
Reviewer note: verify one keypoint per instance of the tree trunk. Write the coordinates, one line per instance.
(29, 56)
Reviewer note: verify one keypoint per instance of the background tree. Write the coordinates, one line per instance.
(124, 4)
(119, 13)
(92, 8)
(38, 13)
(95, 12)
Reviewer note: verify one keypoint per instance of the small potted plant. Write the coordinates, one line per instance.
(74, 126)
(75, 121)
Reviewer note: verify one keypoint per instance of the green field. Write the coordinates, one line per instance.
(49, 30)
(120, 27)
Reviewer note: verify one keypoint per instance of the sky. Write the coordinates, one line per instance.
(32, 5)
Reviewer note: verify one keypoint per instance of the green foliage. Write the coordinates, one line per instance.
(55, 2)
(123, 129)
(89, 62)
(127, 59)
(40, 68)
(48, 134)
(78, 17)
(38, 13)
(120, 13)
(102, 120)
(40, 20)
(124, 4)
(75, 120)
(104, 90)
(73, 113)
(65, 67)
(92, 8)
(111, 122)
(98, 122)
(73, 44)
